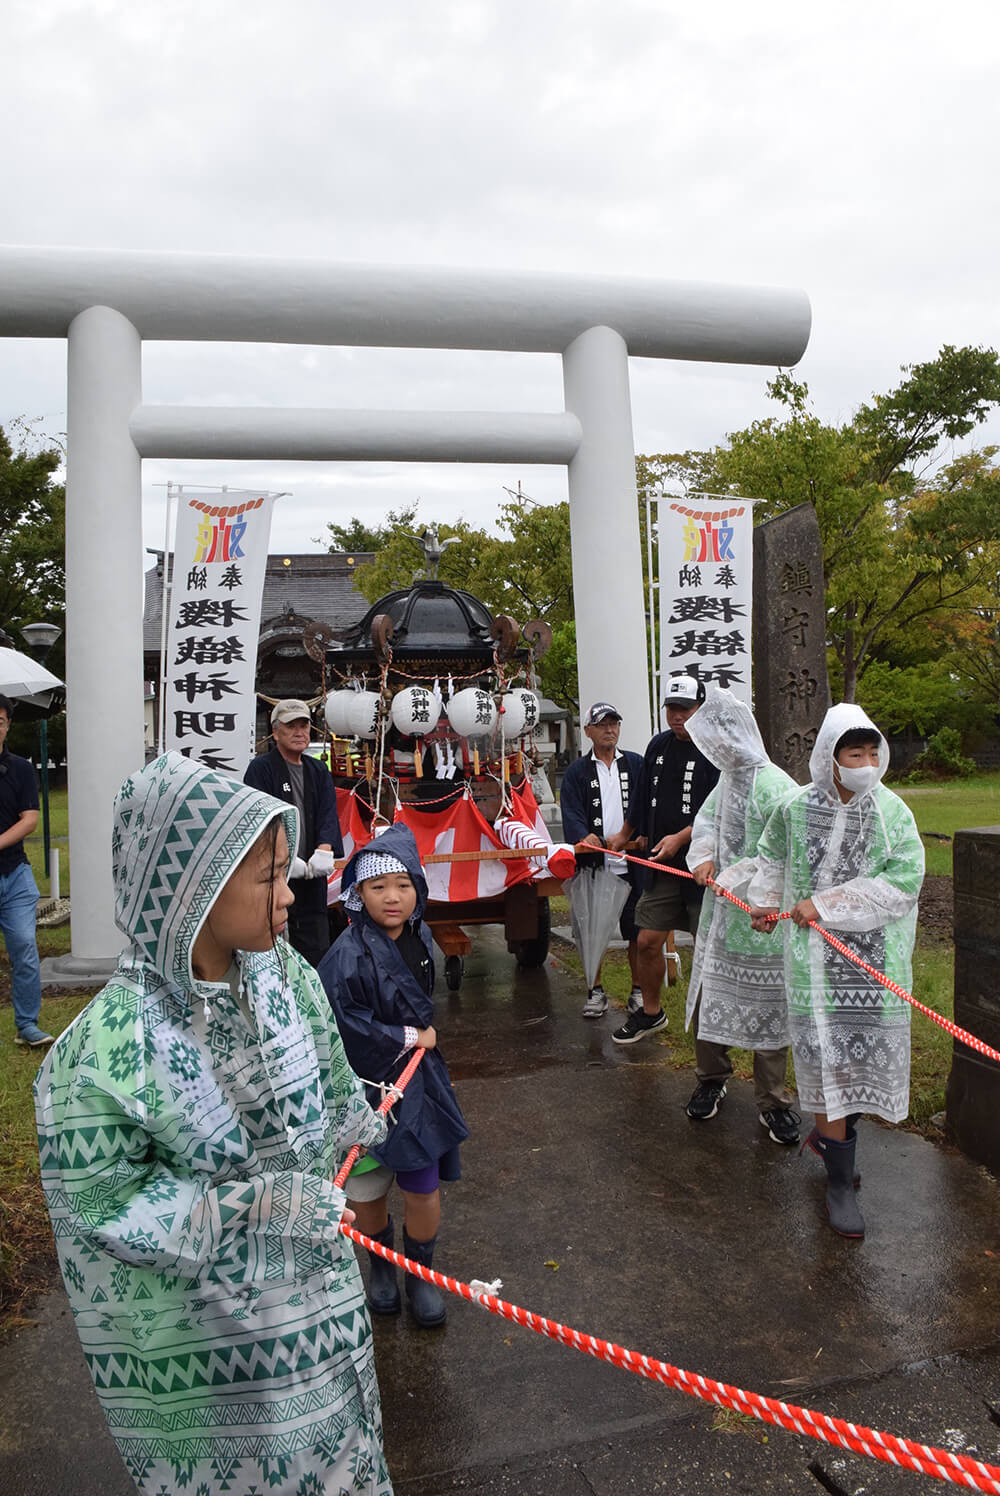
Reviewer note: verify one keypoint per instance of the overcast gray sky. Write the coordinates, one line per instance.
(849, 150)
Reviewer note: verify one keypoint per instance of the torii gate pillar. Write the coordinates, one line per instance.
(104, 735)
(608, 593)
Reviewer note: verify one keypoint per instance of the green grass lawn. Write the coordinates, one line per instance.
(949, 807)
(58, 833)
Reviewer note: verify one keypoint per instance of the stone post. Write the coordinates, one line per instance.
(791, 692)
(973, 1096)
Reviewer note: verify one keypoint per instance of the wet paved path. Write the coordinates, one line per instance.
(596, 1201)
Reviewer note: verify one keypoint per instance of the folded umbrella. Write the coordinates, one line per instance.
(597, 897)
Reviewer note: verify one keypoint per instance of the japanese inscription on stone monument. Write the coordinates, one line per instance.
(791, 695)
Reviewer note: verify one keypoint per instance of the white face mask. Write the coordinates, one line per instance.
(858, 780)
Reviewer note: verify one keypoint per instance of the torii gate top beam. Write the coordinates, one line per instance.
(220, 298)
(107, 302)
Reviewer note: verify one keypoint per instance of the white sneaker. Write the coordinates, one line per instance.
(634, 1004)
(597, 1003)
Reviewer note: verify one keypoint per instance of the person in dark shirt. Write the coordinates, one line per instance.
(18, 890)
(676, 779)
(290, 774)
(597, 791)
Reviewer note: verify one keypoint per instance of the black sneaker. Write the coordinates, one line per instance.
(782, 1125)
(706, 1100)
(638, 1025)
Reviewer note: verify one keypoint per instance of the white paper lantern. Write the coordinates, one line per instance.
(338, 705)
(415, 710)
(363, 714)
(472, 712)
(520, 714)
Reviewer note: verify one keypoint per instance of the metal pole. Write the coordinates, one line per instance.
(43, 740)
(652, 592)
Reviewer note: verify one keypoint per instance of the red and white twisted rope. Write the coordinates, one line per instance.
(942, 1464)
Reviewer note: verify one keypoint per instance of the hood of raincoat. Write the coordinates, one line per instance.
(179, 832)
(838, 720)
(396, 841)
(724, 730)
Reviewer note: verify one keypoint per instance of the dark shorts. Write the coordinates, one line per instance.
(373, 1184)
(626, 923)
(671, 904)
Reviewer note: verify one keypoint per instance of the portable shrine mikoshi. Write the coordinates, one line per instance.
(432, 716)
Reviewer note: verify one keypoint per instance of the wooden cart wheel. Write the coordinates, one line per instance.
(454, 968)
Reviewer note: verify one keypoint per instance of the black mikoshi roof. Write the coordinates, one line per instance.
(428, 619)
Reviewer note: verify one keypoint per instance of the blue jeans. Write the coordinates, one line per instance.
(18, 897)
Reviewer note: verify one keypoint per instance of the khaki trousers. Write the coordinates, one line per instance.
(712, 1063)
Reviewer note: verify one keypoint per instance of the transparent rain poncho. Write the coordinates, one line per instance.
(737, 972)
(862, 864)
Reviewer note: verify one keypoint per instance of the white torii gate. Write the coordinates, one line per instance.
(106, 302)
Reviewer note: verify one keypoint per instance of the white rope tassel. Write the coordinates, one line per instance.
(481, 1289)
(384, 1088)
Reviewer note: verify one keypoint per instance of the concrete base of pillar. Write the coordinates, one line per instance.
(77, 971)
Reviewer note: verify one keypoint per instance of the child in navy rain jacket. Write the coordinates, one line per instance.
(379, 977)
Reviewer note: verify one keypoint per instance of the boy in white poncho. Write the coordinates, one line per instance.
(845, 852)
(736, 995)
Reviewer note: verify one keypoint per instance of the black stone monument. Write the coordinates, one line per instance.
(973, 1096)
(791, 692)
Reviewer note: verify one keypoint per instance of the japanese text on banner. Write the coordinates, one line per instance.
(220, 556)
(706, 588)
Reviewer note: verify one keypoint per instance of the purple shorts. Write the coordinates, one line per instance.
(420, 1181)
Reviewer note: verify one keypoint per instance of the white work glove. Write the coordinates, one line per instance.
(299, 869)
(321, 863)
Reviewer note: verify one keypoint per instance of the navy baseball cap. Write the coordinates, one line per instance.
(600, 712)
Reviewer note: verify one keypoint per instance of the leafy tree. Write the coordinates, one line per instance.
(32, 558)
(905, 542)
(907, 699)
(357, 536)
(399, 561)
(525, 571)
(32, 538)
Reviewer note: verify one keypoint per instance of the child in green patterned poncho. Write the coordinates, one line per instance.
(190, 1122)
(844, 853)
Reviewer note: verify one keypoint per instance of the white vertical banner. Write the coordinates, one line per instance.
(706, 589)
(220, 556)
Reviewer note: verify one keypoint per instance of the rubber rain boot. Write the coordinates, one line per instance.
(814, 1141)
(426, 1303)
(383, 1285)
(841, 1202)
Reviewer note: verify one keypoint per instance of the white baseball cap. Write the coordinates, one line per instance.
(682, 690)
